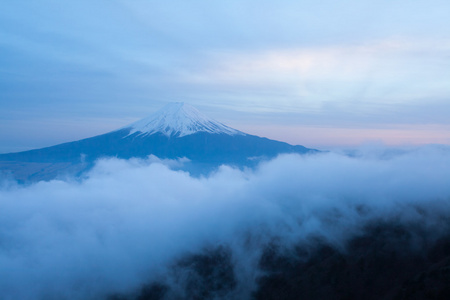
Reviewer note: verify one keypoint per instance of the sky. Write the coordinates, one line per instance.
(316, 73)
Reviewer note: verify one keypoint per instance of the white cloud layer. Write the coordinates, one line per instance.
(125, 222)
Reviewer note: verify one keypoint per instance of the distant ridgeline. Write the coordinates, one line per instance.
(178, 130)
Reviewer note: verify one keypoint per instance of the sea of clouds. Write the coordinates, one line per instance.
(126, 221)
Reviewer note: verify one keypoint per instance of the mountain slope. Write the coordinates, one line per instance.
(178, 130)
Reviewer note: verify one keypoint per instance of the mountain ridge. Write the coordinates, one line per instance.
(176, 131)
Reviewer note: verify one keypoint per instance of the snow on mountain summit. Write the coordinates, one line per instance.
(179, 119)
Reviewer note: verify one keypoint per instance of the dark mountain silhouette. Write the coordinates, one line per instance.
(387, 261)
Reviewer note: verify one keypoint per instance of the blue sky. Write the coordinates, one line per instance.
(317, 73)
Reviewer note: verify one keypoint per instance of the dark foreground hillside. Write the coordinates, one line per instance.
(388, 261)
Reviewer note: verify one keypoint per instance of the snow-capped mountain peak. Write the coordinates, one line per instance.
(179, 119)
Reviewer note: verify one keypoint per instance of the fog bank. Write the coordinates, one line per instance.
(128, 220)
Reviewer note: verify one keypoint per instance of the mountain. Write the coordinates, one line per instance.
(178, 130)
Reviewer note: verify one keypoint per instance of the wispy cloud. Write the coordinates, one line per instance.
(386, 71)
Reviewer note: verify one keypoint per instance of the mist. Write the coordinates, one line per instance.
(126, 222)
